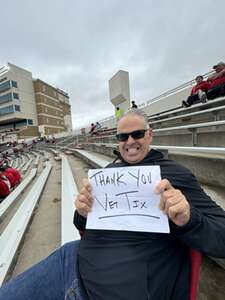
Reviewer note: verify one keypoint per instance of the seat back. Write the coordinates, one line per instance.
(195, 258)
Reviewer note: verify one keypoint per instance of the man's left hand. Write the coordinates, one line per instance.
(173, 203)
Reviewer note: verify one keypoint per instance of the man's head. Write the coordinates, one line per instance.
(219, 67)
(134, 136)
(199, 79)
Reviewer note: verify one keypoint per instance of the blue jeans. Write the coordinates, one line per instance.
(54, 278)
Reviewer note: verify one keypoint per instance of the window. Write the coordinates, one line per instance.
(30, 122)
(5, 86)
(3, 79)
(43, 88)
(14, 84)
(6, 110)
(15, 95)
(5, 98)
(17, 107)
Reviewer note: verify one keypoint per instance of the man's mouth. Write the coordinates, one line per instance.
(132, 150)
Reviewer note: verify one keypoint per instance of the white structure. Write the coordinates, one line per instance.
(119, 90)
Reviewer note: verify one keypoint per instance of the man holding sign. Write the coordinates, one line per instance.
(128, 251)
(139, 216)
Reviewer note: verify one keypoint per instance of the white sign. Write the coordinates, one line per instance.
(124, 199)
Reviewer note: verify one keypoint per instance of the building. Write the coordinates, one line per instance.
(30, 107)
(53, 109)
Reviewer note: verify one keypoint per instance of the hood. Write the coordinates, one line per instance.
(152, 156)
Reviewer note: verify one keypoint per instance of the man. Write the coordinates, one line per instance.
(217, 82)
(133, 105)
(130, 265)
(118, 113)
(198, 92)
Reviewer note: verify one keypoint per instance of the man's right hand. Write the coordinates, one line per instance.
(83, 202)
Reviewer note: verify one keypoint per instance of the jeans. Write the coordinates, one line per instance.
(54, 278)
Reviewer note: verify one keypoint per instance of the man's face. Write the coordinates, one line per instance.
(134, 150)
(199, 79)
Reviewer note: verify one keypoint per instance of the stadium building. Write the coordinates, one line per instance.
(30, 107)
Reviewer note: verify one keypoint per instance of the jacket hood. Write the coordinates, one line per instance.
(152, 156)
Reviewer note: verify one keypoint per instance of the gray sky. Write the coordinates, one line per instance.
(79, 45)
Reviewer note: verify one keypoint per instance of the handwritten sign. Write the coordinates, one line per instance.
(124, 199)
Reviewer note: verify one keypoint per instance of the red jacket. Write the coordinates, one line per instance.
(16, 174)
(12, 179)
(204, 86)
(213, 83)
(4, 187)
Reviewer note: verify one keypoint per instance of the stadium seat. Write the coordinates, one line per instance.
(195, 258)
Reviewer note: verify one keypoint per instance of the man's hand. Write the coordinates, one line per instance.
(173, 203)
(83, 202)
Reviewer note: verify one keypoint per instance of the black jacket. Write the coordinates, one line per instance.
(130, 265)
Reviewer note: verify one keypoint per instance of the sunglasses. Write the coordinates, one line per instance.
(137, 134)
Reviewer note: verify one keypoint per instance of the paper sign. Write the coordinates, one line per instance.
(124, 199)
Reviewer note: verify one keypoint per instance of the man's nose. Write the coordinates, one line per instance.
(130, 140)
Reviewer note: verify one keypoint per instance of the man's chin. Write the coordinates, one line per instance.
(132, 159)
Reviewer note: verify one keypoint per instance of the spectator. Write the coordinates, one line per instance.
(98, 127)
(118, 113)
(4, 187)
(12, 174)
(198, 92)
(131, 265)
(217, 82)
(134, 105)
(92, 128)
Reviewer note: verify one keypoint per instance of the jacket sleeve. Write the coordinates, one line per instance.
(79, 221)
(205, 230)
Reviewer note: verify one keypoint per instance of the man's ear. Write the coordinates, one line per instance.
(150, 133)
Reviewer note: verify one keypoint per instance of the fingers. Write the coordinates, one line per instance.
(86, 184)
(163, 185)
(82, 205)
(83, 202)
(173, 203)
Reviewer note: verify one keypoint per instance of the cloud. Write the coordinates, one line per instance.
(79, 45)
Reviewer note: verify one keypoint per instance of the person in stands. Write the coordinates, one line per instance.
(198, 92)
(133, 105)
(92, 130)
(98, 127)
(118, 113)
(12, 174)
(111, 265)
(4, 187)
(217, 82)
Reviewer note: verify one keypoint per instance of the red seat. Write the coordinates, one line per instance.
(196, 258)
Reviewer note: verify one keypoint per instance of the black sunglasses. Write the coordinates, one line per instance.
(137, 134)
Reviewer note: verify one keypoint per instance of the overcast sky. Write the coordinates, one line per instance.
(79, 45)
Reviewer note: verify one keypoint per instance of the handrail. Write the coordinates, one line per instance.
(15, 230)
